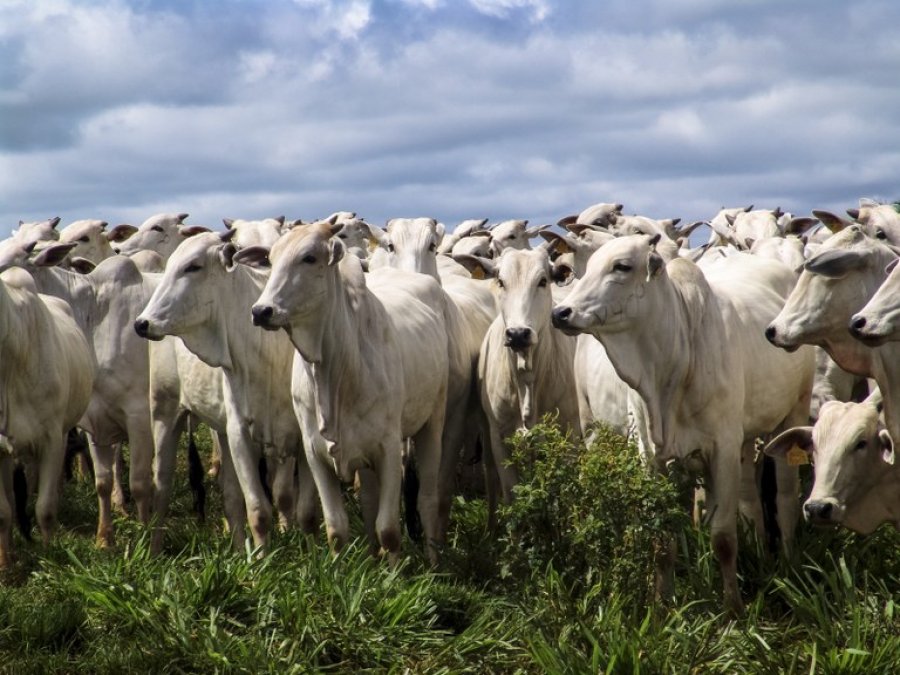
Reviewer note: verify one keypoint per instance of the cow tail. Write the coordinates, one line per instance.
(20, 493)
(196, 476)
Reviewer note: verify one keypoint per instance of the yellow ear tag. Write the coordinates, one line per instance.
(796, 456)
(478, 273)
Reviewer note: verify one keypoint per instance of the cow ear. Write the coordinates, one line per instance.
(655, 263)
(226, 255)
(191, 230)
(479, 268)
(335, 250)
(830, 220)
(227, 235)
(853, 213)
(891, 265)
(377, 236)
(228, 222)
(120, 233)
(887, 446)
(786, 440)
(835, 263)
(567, 220)
(730, 217)
(182, 217)
(562, 273)
(748, 242)
(558, 242)
(52, 255)
(252, 256)
(535, 231)
(81, 265)
(439, 231)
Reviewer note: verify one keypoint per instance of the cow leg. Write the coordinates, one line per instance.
(787, 480)
(102, 456)
(491, 483)
(368, 505)
(506, 472)
(166, 431)
(284, 491)
(307, 497)
(245, 456)
(452, 439)
(750, 503)
(6, 509)
(390, 477)
(328, 486)
(232, 497)
(429, 459)
(722, 498)
(52, 457)
(118, 480)
(216, 457)
(140, 474)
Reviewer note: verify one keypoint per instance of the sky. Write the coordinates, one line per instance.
(454, 109)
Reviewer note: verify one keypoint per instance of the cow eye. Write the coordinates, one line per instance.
(157, 228)
(861, 445)
(622, 267)
(879, 234)
(193, 267)
(499, 283)
(310, 259)
(511, 237)
(85, 239)
(342, 236)
(390, 247)
(432, 247)
(542, 283)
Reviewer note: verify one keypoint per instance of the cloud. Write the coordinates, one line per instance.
(117, 110)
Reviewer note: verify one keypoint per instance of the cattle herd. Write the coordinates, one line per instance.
(338, 351)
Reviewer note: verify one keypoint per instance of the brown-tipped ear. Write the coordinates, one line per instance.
(479, 268)
(800, 224)
(54, 222)
(182, 217)
(120, 233)
(191, 230)
(252, 256)
(786, 440)
(334, 227)
(835, 263)
(730, 218)
(81, 265)
(654, 240)
(558, 242)
(568, 220)
(335, 250)
(52, 255)
(853, 213)
(226, 255)
(228, 222)
(562, 273)
(227, 235)
(830, 220)
(377, 236)
(655, 263)
(280, 220)
(887, 446)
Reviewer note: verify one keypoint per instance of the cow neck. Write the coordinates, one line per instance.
(529, 367)
(656, 357)
(20, 310)
(76, 289)
(337, 362)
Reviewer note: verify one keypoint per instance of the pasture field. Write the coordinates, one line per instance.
(565, 587)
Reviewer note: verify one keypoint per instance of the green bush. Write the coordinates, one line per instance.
(593, 513)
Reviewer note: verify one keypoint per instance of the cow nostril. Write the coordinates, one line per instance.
(770, 333)
(818, 510)
(858, 323)
(261, 314)
(562, 313)
(142, 327)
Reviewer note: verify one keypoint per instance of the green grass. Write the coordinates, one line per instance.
(565, 587)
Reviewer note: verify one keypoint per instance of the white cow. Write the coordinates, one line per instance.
(411, 244)
(103, 303)
(255, 232)
(879, 321)
(857, 480)
(188, 303)
(371, 371)
(836, 283)
(600, 215)
(161, 233)
(689, 344)
(46, 374)
(36, 232)
(525, 368)
(513, 234)
(89, 239)
(466, 228)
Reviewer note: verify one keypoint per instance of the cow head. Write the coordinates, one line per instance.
(89, 239)
(255, 232)
(851, 452)
(36, 232)
(411, 243)
(609, 297)
(835, 283)
(161, 233)
(513, 234)
(191, 287)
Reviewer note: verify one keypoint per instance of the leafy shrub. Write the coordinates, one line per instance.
(594, 513)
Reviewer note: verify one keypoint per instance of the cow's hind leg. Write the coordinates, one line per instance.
(52, 456)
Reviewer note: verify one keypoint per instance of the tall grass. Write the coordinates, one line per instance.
(564, 587)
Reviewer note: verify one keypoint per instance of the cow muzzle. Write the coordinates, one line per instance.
(821, 513)
(518, 339)
(561, 318)
(263, 316)
(142, 328)
(862, 331)
(777, 340)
